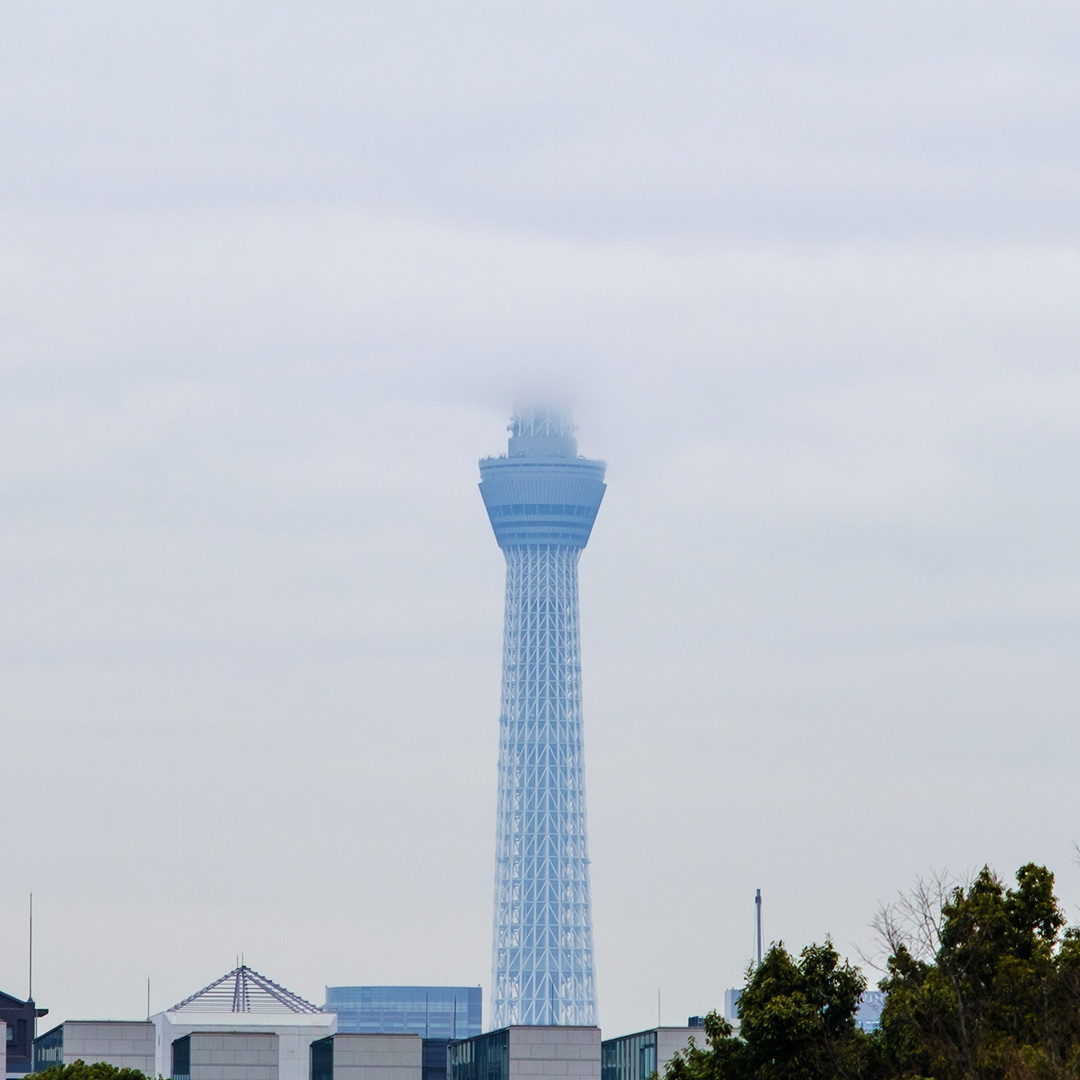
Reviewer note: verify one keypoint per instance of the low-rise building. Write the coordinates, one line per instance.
(127, 1044)
(527, 1053)
(217, 1055)
(241, 1003)
(20, 1026)
(434, 1012)
(644, 1054)
(347, 1056)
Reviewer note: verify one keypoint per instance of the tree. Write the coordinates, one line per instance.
(97, 1070)
(796, 1022)
(1000, 997)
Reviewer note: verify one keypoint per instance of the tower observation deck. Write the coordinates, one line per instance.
(542, 501)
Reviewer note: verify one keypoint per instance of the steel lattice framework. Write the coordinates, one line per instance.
(244, 990)
(542, 500)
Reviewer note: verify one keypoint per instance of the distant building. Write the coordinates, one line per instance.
(127, 1044)
(868, 1016)
(528, 1053)
(368, 1057)
(731, 1005)
(244, 1024)
(645, 1053)
(437, 1014)
(20, 1019)
(432, 1012)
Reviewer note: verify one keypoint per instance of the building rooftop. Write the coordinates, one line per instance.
(244, 990)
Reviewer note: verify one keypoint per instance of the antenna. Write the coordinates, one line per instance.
(757, 905)
(30, 964)
(147, 997)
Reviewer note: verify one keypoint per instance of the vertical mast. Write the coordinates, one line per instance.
(757, 920)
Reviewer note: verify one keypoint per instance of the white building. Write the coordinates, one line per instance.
(241, 1003)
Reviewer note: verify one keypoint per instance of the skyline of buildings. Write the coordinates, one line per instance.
(542, 500)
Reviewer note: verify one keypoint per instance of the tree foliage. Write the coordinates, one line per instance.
(97, 1070)
(1001, 997)
(982, 983)
(796, 1022)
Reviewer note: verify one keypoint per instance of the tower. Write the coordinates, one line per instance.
(542, 500)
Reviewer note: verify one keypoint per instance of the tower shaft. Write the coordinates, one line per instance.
(542, 500)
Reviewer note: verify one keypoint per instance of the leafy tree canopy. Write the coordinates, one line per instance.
(796, 1022)
(1001, 996)
(982, 983)
(97, 1070)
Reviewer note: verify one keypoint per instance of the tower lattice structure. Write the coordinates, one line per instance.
(542, 500)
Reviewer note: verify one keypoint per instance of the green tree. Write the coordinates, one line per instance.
(796, 1022)
(1000, 999)
(96, 1070)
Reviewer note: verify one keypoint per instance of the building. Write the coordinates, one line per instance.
(731, 1004)
(238, 1055)
(436, 1013)
(868, 1015)
(369, 1057)
(242, 1013)
(433, 1012)
(645, 1053)
(20, 1021)
(127, 1044)
(542, 500)
(528, 1053)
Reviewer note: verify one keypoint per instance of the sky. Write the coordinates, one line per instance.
(272, 277)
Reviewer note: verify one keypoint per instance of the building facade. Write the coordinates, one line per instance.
(528, 1053)
(369, 1057)
(542, 500)
(242, 1004)
(237, 1055)
(127, 1044)
(645, 1053)
(20, 1026)
(432, 1012)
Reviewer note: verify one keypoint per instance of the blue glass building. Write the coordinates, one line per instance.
(542, 500)
(432, 1012)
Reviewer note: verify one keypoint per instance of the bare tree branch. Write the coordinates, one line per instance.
(913, 920)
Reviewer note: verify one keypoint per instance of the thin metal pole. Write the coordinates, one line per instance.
(757, 904)
(147, 997)
(658, 1024)
(30, 965)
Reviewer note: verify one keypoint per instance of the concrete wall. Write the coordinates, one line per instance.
(670, 1040)
(3, 1048)
(377, 1057)
(233, 1055)
(127, 1044)
(554, 1051)
(295, 1031)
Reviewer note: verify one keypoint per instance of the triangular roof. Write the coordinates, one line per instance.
(244, 990)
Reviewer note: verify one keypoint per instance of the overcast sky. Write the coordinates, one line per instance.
(272, 276)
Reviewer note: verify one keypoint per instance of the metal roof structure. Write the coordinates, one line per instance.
(244, 990)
